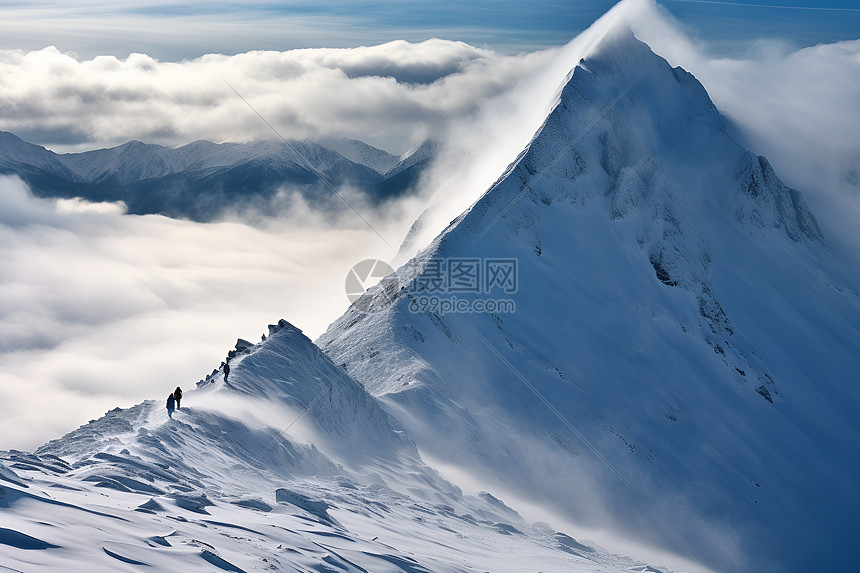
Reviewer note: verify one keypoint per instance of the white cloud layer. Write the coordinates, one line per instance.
(167, 29)
(392, 95)
(99, 309)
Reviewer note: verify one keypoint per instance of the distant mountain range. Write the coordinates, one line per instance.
(201, 180)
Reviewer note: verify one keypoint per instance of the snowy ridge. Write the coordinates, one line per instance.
(363, 153)
(421, 152)
(288, 368)
(16, 154)
(203, 180)
(285, 370)
(652, 312)
(219, 487)
(137, 161)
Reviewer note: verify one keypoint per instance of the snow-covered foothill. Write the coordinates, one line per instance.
(287, 465)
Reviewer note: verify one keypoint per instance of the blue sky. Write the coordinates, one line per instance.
(173, 30)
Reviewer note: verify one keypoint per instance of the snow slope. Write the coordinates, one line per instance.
(682, 361)
(289, 465)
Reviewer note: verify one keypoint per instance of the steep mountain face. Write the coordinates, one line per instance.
(678, 363)
(202, 180)
(288, 465)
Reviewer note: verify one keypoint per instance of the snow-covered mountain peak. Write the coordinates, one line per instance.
(653, 126)
(660, 271)
(608, 34)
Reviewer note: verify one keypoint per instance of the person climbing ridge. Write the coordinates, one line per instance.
(177, 395)
(226, 369)
(171, 402)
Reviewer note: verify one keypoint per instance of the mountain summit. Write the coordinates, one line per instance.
(677, 366)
